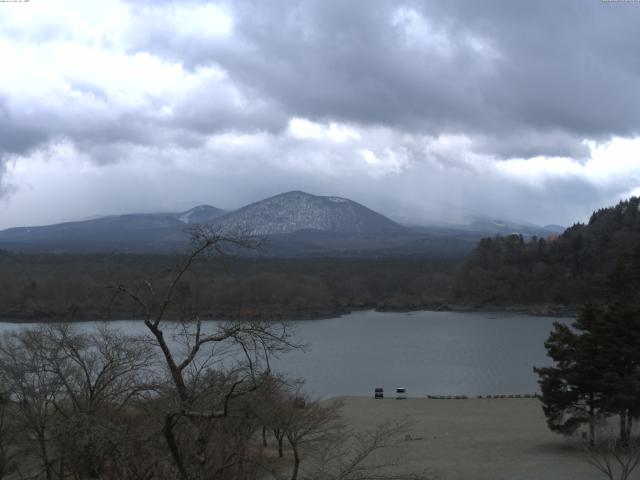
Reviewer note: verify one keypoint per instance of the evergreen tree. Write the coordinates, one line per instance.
(621, 336)
(597, 360)
(570, 390)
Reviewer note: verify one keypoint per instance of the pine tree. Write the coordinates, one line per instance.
(622, 375)
(597, 359)
(570, 390)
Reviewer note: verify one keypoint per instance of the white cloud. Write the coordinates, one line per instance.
(184, 19)
(303, 129)
(609, 163)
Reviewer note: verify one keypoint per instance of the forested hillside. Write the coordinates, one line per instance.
(564, 270)
(77, 287)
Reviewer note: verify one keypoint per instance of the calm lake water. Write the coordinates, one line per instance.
(438, 353)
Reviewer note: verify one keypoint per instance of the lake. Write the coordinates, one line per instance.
(428, 353)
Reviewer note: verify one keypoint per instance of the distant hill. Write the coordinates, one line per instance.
(131, 232)
(296, 224)
(502, 227)
(480, 227)
(564, 269)
(299, 211)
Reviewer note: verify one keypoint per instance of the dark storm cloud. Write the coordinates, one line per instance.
(521, 78)
(493, 68)
(94, 122)
(336, 60)
(567, 65)
(16, 136)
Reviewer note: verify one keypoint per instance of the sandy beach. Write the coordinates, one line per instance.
(481, 439)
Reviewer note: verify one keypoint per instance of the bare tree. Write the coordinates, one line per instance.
(67, 390)
(615, 459)
(317, 435)
(33, 389)
(103, 368)
(311, 426)
(8, 453)
(275, 408)
(241, 349)
(373, 455)
(102, 373)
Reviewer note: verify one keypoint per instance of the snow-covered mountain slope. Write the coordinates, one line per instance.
(298, 211)
(297, 223)
(201, 214)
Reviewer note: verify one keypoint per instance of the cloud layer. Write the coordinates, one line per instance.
(426, 110)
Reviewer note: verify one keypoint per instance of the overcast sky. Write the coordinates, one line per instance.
(425, 110)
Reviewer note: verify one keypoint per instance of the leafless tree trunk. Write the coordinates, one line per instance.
(8, 460)
(33, 388)
(358, 456)
(310, 425)
(197, 403)
(616, 459)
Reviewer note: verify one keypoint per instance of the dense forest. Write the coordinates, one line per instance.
(558, 271)
(75, 287)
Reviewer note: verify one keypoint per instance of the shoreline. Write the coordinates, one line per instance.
(534, 311)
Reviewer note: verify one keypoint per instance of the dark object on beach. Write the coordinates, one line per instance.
(378, 393)
(401, 393)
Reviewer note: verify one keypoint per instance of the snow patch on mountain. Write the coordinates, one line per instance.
(297, 211)
(184, 218)
(200, 214)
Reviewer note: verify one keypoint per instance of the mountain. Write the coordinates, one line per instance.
(504, 227)
(130, 232)
(482, 227)
(296, 224)
(557, 229)
(299, 211)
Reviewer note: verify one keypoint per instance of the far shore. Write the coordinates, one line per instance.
(532, 310)
(480, 439)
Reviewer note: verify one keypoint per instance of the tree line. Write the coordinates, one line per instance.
(73, 287)
(558, 271)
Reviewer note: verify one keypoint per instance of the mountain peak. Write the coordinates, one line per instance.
(296, 211)
(290, 195)
(200, 214)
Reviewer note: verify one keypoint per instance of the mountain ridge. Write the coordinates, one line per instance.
(297, 223)
(282, 216)
(296, 211)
